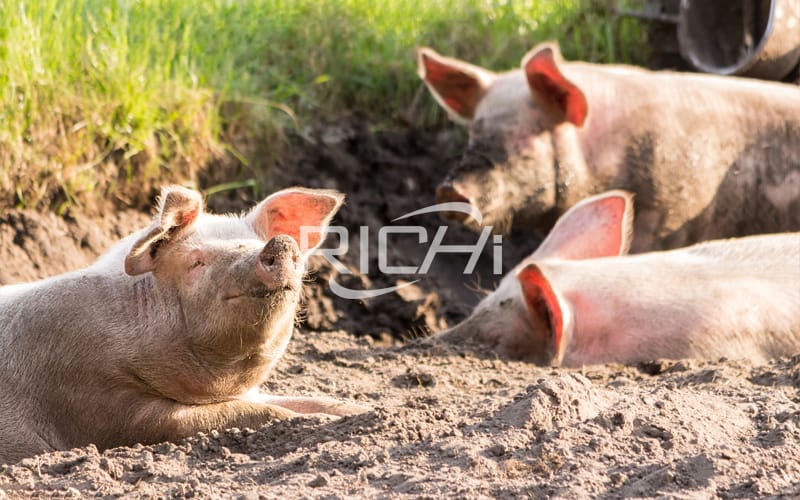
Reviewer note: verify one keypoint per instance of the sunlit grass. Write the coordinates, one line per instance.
(108, 98)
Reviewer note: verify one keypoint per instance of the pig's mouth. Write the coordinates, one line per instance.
(498, 225)
(486, 207)
(263, 292)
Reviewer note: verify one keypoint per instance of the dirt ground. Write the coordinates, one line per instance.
(446, 421)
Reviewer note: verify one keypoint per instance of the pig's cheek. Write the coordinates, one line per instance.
(195, 274)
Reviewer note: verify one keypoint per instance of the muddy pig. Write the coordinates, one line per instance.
(169, 333)
(578, 300)
(707, 156)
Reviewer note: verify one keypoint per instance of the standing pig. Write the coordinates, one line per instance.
(707, 156)
(169, 333)
(577, 301)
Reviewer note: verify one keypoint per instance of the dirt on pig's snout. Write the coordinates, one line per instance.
(447, 421)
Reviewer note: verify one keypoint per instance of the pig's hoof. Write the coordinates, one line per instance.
(343, 409)
(355, 409)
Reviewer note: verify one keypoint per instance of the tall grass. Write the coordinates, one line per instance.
(107, 98)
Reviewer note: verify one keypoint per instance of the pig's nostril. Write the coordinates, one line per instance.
(268, 260)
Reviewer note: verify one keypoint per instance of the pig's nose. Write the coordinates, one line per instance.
(446, 193)
(277, 263)
(281, 248)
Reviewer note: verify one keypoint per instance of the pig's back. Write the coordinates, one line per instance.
(625, 100)
(677, 85)
(780, 250)
(773, 260)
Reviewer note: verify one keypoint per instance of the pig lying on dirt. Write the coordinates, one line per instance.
(169, 333)
(707, 156)
(577, 301)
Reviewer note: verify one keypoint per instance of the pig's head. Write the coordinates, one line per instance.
(228, 286)
(528, 317)
(509, 170)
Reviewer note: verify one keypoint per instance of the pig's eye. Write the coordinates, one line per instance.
(197, 263)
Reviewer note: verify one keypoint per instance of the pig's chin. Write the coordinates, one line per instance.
(499, 224)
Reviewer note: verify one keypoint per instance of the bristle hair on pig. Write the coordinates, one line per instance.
(171, 332)
(579, 300)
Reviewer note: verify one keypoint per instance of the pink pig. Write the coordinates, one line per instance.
(707, 156)
(579, 300)
(171, 332)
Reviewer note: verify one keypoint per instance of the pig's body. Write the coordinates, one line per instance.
(707, 156)
(736, 298)
(120, 352)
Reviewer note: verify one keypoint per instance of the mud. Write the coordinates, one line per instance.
(446, 421)
(386, 175)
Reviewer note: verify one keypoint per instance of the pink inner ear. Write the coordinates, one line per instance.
(541, 300)
(290, 211)
(188, 217)
(545, 79)
(459, 90)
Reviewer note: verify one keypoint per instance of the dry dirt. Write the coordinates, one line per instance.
(446, 421)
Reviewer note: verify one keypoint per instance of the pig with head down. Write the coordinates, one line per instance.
(578, 300)
(707, 156)
(169, 333)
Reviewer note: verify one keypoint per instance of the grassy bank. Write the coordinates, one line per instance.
(106, 99)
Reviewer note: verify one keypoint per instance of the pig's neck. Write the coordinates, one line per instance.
(572, 175)
(126, 331)
(76, 325)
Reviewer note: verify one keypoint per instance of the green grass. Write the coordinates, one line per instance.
(105, 99)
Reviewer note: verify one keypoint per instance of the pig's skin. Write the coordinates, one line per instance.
(100, 356)
(708, 157)
(737, 298)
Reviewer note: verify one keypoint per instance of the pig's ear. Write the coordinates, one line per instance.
(549, 85)
(547, 308)
(177, 208)
(456, 85)
(287, 211)
(599, 226)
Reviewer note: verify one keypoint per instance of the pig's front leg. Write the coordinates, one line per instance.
(169, 421)
(163, 420)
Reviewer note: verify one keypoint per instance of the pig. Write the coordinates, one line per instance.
(580, 300)
(708, 157)
(171, 332)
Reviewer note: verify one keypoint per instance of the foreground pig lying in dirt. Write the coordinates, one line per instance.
(578, 301)
(707, 156)
(169, 333)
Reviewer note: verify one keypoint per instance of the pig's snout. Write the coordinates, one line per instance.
(448, 192)
(279, 249)
(277, 265)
